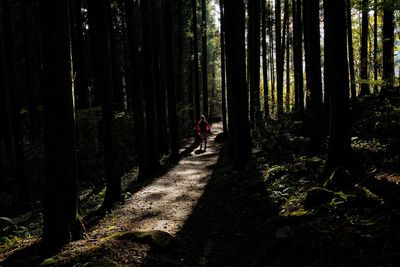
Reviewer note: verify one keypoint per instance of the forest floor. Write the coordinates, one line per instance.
(282, 210)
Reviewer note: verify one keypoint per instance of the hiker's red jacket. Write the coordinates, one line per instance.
(203, 128)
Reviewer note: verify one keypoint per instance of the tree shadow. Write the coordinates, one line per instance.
(230, 212)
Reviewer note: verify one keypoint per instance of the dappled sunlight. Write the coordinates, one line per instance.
(165, 204)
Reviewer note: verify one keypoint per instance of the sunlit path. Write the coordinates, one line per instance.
(164, 204)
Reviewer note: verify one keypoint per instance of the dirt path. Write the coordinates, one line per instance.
(165, 204)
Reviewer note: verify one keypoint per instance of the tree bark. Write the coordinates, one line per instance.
(265, 59)
(236, 80)
(136, 74)
(223, 76)
(204, 56)
(196, 61)
(376, 64)
(298, 58)
(61, 223)
(279, 57)
(13, 102)
(349, 24)
(339, 149)
(104, 83)
(149, 86)
(364, 49)
(388, 48)
(313, 69)
(172, 113)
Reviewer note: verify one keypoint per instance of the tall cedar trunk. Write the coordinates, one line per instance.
(388, 48)
(279, 57)
(339, 149)
(223, 77)
(12, 102)
(364, 49)
(31, 70)
(298, 58)
(104, 83)
(376, 46)
(135, 72)
(271, 49)
(190, 95)
(170, 74)
(80, 78)
(204, 63)
(61, 223)
(95, 93)
(118, 95)
(236, 80)
(254, 8)
(265, 59)
(196, 61)
(149, 86)
(287, 56)
(313, 69)
(160, 86)
(180, 39)
(351, 53)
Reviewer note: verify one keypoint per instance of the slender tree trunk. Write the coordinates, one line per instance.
(180, 38)
(104, 83)
(160, 84)
(191, 102)
(61, 223)
(149, 86)
(81, 86)
(313, 69)
(271, 48)
(298, 57)
(13, 102)
(388, 48)
(288, 38)
(339, 149)
(172, 114)
(118, 94)
(279, 57)
(265, 59)
(351, 53)
(204, 63)
(196, 61)
(254, 61)
(376, 46)
(135, 73)
(364, 49)
(223, 77)
(236, 79)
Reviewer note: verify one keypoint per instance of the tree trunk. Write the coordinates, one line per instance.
(388, 48)
(149, 86)
(135, 72)
(265, 59)
(364, 49)
(172, 114)
(254, 8)
(104, 83)
(351, 53)
(236, 80)
(376, 64)
(298, 58)
(223, 77)
(279, 57)
(204, 63)
(313, 69)
(80, 78)
(61, 223)
(271, 49)
(196, 61)
(13, 102)
(339, 149)
(287, 56)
